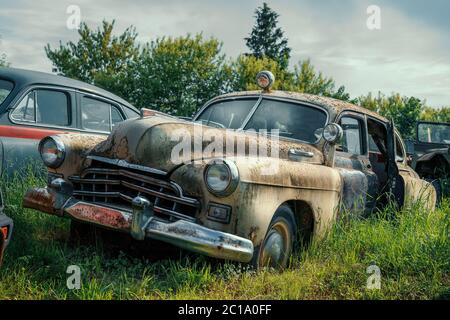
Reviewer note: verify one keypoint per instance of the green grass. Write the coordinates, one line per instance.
(411, 247)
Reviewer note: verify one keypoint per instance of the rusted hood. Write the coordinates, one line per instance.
(164, 143)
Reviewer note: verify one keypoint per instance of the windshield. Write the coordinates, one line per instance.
(434, 133)
(228, 114)
(5, 88)
(292, 120)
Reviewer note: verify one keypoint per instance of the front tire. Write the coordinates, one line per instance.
(278, 244)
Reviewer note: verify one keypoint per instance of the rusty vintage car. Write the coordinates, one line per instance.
(331, 157)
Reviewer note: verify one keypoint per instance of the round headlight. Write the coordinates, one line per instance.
(332, 133)
(221, 177)
(52, 151)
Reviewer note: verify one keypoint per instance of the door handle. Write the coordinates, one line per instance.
(300, 153)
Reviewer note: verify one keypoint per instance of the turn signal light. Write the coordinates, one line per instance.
(4, 232)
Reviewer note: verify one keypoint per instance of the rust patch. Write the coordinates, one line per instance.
(120, 150)
(253, 233)
(99, 215)
(40, 199)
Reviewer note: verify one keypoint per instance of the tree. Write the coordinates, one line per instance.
(3, 61)
(405, 111)
(178, 75)
(246, 67)
(98, 57)
(435, 115)
(267, 39)
(308, 80)
(304, 79)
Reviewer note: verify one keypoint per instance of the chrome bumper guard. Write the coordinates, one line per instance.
(141, 223)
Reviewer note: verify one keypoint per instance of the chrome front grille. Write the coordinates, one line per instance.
(115, 186)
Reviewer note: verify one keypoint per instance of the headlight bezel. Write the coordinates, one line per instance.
(233, 177)
(60, 147)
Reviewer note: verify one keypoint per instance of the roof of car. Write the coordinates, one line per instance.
(23, 77)
(326, 102)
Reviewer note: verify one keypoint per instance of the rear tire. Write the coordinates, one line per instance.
(437, 186)
(278, 244)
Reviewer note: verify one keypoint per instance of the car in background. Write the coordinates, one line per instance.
(34, 105)
(6, 226)
(430, 154)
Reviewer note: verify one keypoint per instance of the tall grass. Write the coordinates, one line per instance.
(411, 248)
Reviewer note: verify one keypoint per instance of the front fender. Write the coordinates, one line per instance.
(261, 191)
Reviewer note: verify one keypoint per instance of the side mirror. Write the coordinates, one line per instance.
(332, 133)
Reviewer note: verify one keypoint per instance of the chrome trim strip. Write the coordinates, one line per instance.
(125, 164)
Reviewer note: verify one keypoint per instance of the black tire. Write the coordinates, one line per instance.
(437, 186)
(278, 244)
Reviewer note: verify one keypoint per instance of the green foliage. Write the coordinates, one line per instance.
(3, 61)
(246, 67)
(435, 115)
(267, 39)
(303, 79)
(98, 57)
(308, 80)
(405, 111)
(178, 75)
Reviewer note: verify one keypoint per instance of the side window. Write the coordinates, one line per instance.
(131, 114)
(399, 150)
(99, 115)
(353, 136)
(116, 116)
(44, 106)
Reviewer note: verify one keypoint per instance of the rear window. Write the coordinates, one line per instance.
(5, 89)
(99, 115)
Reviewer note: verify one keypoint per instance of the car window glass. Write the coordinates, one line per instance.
(227, 114)
(399, 151)
(131, 114)
(45, 107)
(98, 115)
(293, 120)
(434, 133)
(95, 114)
(25, 110)
(352, 137)
(116, 116)
(52, 107)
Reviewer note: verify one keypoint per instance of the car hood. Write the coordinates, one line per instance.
(160, 142)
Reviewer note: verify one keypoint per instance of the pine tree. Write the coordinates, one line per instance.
(267, 39)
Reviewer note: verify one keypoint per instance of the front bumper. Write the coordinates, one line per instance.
(140, 223)
(4, 240)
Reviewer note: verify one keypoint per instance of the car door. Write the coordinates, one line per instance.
(359, 181)
(414, 188)
(395, 187)
(38, 112)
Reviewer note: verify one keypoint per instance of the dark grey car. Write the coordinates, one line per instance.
(34, 105)
(430, 154)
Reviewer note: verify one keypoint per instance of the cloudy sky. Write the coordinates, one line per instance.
(409, 54)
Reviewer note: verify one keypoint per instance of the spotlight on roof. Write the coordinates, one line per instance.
(265, 80)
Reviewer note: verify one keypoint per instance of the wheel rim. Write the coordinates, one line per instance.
(276, 246)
